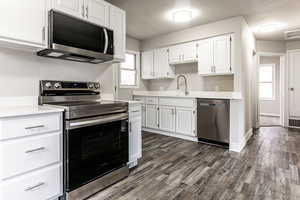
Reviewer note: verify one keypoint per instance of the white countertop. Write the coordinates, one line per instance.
(192, 94)
(14, 111)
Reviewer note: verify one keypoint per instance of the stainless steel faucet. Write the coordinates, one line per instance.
(185, 83)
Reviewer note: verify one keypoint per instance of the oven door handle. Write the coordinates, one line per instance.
(95, 121)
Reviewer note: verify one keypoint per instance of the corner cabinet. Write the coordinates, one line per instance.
(23, 23)
(215, 56)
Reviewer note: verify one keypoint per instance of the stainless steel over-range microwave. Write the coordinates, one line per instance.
(71, 38)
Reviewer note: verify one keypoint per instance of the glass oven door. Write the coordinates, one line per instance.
(94, 148)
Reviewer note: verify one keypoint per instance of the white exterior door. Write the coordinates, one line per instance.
(72, 7)
(189, 51)
(147, 64)
(294, 83)
(205, 56)
(97, 11)
(135, 139)
(167, 118)
(185, 121)
(23, 21)
(118, 25)
(152, 116)
(222, 54)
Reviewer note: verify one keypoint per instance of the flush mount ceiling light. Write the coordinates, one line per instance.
(270, 27)
(181, 16)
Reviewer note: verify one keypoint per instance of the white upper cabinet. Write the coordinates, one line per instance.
(183, 53)
(147, 64)
(205, 56)
(215, 56)
(72, 7)
(97, 11)
(23, 22)
(118, 25)
(222, 54)
(162, 69)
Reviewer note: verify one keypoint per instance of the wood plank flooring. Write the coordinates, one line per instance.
(175, 169)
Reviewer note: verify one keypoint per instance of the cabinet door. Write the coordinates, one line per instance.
(135, 139)
(185, 121)
(72, 7)
(189, 51)
(147, 64)
(151, 116)
(294, 94)
(175, 54)
(118, 25)
(205, 56)
(143, 116)
(162, 69)
(167, 118)
(23, 21)
(222, 54)
(97, 11)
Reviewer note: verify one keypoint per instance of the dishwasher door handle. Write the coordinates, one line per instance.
(207, 104)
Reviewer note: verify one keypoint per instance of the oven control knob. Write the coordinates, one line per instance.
(91, 86)
(97, 85)
(48, 85)
(57, 85)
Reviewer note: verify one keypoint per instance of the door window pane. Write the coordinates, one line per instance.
(266, 90)
(266, 74)
(266, 82)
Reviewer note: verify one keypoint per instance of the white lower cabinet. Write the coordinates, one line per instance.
(167, 118)
(152, 116)
(31, 157)
(135, 134)
(171, 116)
(185, 121)
(143, 115)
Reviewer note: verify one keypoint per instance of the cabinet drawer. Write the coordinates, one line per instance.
(41, 184)
(29, 125)
(27, 154)
(179, 102)
(151, 100)
(139, 98)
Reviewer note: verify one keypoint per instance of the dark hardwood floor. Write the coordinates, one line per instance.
(174, 169)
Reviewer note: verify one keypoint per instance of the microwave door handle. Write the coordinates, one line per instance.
(106, 40)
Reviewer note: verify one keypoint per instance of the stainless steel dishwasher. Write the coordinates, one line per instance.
(213, 121)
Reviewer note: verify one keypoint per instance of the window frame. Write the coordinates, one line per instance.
(273, 98)
(137, 71)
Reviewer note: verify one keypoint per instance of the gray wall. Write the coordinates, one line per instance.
(291, 45)
(126, 93)
(20, 72)
(272, 107)
(232, 25)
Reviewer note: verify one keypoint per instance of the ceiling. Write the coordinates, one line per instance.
(147, 18)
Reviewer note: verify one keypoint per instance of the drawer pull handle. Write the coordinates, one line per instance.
(34, 187)
(33, 127)
(135, 111)
(35, 150)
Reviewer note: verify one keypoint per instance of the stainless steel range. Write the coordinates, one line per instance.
(95, 138)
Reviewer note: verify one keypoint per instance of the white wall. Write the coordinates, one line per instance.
(20, 72)
(125, 93)
(232, 25)
(270, 46)
(273, 106)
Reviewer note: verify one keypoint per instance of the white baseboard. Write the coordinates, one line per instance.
(238, 147)
(270, 114)
(184, 137)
